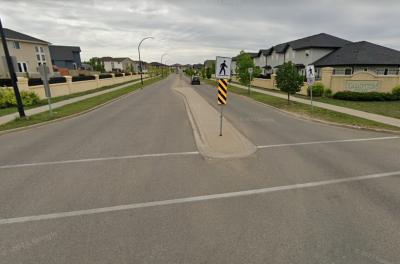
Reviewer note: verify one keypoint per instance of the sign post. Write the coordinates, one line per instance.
(250, 70)
(222, 74)
(310, 71)
(44, 75)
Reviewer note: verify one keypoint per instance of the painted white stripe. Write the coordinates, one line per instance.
(327, 142)
(100, 159)
(192, 199)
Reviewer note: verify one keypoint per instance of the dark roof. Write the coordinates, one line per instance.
(114, 59)
(63, 52)
(157, 64)
(264, 52)
(11, 34)
(321, 40)
(280, 48)
(360, 53)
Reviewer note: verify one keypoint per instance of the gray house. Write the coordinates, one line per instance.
(66, 56)
(304, 51)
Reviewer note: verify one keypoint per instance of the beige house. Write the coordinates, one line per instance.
(26, 52)
(124, 64)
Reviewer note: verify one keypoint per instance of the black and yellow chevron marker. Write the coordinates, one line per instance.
(222, 91)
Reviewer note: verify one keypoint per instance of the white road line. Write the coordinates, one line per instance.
(327, 142)
(100, 159)
(191, 199)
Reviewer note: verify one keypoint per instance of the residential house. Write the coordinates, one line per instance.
(124, 64)
(303, 52)
(68, 57)
(362, 56)
(27, 53)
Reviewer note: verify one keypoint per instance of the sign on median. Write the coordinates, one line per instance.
(223, 68)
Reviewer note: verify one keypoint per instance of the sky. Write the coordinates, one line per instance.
(192, 31)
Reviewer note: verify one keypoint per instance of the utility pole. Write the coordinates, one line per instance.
(13, 76)
(140, 61)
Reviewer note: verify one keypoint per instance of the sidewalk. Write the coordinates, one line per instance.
(374, 117)
(7, 118)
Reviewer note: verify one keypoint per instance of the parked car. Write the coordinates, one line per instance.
(196, 80)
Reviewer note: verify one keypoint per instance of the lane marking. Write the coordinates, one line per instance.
(133, 206)
(327, 142)
(100, 159)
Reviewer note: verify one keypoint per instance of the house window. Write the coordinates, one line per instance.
(22, 67)
(386, 72)
(348, 71)
(16, 45)
(294, 54)
(40, 56)
(307, 52)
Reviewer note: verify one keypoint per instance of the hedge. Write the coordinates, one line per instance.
(34, 81)
(7, 98)
(105, 76)
(369, 96)
(57, 80)
(128, 74)
(5, 82)
(82, 78)
(119, 75)
(317, 89)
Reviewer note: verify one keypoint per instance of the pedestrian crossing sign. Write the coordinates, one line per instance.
(223, 67)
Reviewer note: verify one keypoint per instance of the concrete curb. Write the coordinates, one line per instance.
(235, 144)
(66, 117)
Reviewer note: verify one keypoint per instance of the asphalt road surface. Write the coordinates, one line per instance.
(125, 184)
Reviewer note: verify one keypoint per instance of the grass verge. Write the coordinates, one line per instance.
(304, 110)
(74, 108)
(10, 110)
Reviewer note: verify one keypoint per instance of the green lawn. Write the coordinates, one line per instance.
(305, 110)
(388, 108)
(10, 110)
(74, 108)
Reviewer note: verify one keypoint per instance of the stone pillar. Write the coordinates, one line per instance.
(326, 76)
(22, 83)
(69, 83)
(273, 81)
(96, 76)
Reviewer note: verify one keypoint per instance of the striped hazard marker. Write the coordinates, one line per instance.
(222, 91)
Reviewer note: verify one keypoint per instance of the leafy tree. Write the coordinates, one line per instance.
(288, 79)
(243, 63)
(208, 73)
(96, 64)
(203, 73)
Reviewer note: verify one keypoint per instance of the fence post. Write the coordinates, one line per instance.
(96, 76)
(23, 83)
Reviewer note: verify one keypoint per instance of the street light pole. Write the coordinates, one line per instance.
(13, 76)
(162, 70)
(140, 61)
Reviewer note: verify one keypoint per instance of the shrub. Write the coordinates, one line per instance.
(328, 92)
(369, 96)
(317, 90)
(82, 78)
(5, 82)
(34, 81)
(396, 92)
(7, 98)
(29, 98)
(105, 76)
(119, 75)
(57, 80)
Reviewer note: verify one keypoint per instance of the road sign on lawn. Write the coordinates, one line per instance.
(310, 71)
(223, 67)
(222, 91)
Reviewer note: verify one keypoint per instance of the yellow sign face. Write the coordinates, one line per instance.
(222, 91)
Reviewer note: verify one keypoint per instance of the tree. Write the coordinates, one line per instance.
(288, 79)
(243, 63)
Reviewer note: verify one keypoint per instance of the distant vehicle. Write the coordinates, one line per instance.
(196, 80)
